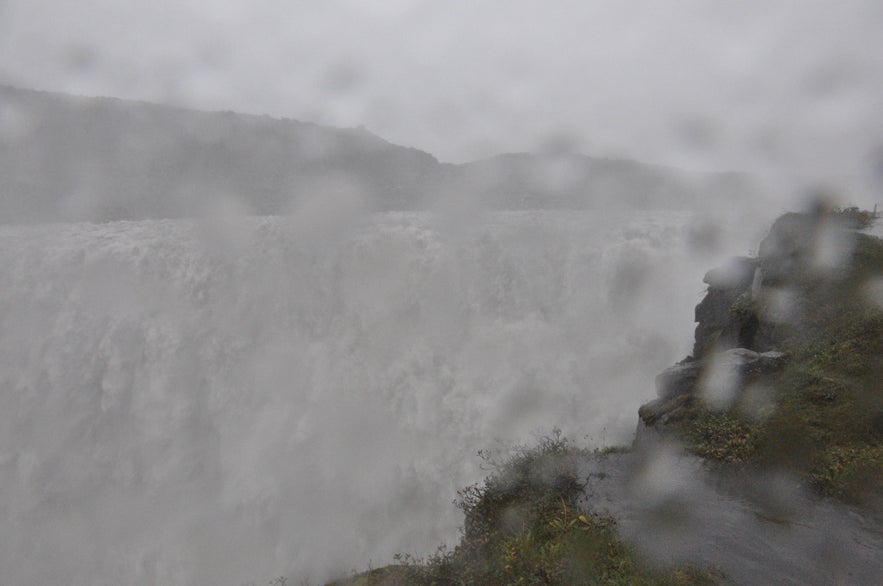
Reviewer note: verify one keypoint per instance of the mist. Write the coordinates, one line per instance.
(260, 322)
(227, 399)
(786, 89)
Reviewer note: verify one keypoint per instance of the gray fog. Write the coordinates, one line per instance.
(272, 272)
(791, 89)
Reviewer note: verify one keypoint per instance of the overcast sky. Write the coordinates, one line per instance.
(790, 85)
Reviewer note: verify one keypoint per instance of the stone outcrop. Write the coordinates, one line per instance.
(679, 379)
(720, 323)
(751, 306)
(733, 343)
(683, 377)
(677, 385)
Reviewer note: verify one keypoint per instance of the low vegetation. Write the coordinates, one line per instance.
(523, 525)
(855, 217)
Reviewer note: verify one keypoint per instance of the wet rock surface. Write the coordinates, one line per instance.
(725, 372)
(719, 326)
(679, 379)
(682, 378)
(758, 530)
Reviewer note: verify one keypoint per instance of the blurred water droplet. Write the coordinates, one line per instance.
(560, 143)
(873, 290)
(659, 478)
(703, 236)
(757, 402)
(223, 229)
(80, 58)
(779, 305)
(697, 133)
(720, 380)
(15, 124)
(342, 78)
(325, 211)
(832, 246)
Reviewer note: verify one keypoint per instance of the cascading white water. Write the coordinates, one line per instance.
(221, 402)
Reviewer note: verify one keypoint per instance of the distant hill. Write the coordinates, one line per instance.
(573, 181)
(70, 158)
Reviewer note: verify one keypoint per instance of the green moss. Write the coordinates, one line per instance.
(831, 405)
(849, 472)
(723, 437)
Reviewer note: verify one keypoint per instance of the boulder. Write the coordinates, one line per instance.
(679, 379)
(771, 361)
(743, 362)
(740, 356)
(677, 385)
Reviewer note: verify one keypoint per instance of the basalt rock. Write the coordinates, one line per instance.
(679, 379)
(736, 341)
(746, 362)
(722, 319)
(679, 386)
(811, 245)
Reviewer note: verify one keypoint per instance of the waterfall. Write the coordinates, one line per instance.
(225, 401)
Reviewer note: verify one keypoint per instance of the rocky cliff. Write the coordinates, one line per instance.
(786, 369)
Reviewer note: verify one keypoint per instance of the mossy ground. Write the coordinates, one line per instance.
(523, 526)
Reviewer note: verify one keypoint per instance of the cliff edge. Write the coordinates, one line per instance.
(786, 369)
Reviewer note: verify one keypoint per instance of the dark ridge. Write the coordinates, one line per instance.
(74, 158)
